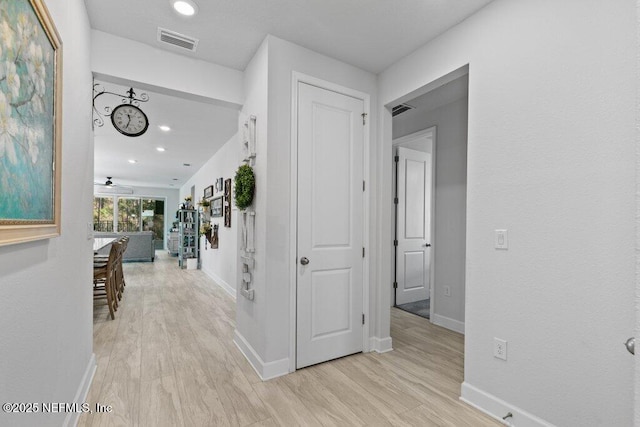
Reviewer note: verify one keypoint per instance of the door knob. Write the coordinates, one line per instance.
(631, 344)
(427, 245)
(304, 260)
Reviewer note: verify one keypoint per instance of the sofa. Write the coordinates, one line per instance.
(140, 248)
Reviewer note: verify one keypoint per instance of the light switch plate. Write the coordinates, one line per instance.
(502, 239)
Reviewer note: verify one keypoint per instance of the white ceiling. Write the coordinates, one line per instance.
(370, 34)
(198, 130)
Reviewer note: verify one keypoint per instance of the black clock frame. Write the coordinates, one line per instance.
(146, 126)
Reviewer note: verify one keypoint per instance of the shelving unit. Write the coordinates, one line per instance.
(188, 249)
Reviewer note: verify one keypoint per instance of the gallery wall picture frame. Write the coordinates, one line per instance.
(227, 202)
(219, 184)
(31, 109)
(208, 192)
(216, 207)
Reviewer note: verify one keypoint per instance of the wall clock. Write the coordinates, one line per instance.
(129, 120)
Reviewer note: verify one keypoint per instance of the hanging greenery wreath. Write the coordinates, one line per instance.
(244, 186)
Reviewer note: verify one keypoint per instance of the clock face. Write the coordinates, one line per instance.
(129, 120)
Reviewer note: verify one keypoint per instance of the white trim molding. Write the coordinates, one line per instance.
(83, 390)
(265, 370)
(447, 322)
(223, 284)
(380, 345)
(498, 408)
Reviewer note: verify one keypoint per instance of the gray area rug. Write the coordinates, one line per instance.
(421, 308)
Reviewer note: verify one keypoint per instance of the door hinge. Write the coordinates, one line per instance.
(363, 185)
(395, 285)
(362, 252)
(395, 200)
(395, 243)
(397, 159)
(363, 318)
(364, 119)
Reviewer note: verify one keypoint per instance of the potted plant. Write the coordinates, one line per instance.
(187, 202)
(205, 230)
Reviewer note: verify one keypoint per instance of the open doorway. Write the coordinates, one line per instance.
(430, 164)
(413, 201)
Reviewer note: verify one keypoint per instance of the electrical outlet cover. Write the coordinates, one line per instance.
(500, 348)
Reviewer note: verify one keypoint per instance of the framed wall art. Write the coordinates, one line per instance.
(208, 192)
(227, 202)
(219, 184)
(216, 207)
(30, 123)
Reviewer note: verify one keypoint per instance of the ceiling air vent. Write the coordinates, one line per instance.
(399, 109)
(176, 39)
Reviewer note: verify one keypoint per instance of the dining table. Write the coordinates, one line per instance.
(101, 242)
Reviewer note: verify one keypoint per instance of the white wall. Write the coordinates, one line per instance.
(46, 309)
(551, 152)
(284, 59)
(250, 325)
(220, 264)
(270, 312)
(450, 205)
(171, 197)
(126, 61)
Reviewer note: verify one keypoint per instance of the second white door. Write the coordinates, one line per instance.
(414, 226)
(330, 229)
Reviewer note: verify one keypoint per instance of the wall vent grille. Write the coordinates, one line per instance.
(399, 109)
(177, 39)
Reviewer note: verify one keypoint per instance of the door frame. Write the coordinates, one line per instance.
(433, 130)
(296, 79)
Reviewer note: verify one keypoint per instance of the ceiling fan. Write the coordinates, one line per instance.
(108, 183)
(109, 186)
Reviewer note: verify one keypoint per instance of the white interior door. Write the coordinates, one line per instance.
(330, 231)
(414, 226)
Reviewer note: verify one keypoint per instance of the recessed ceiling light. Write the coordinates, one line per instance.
(164, 128)
(185, 7)
(132, 161)
(161, 149)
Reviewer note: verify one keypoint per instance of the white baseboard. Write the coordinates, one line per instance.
(498, 408)
(83, 390)
(224, 285)
(265, 370)
(380, 345)
(447, 322)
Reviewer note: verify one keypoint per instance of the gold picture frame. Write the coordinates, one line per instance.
(30, 123)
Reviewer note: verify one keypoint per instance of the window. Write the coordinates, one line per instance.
(153, 219)
(132, 213)
(103, 213)
(129, 215)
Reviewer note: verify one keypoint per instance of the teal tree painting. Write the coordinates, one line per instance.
(29, 128)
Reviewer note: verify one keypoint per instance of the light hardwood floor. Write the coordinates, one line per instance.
(168, 359)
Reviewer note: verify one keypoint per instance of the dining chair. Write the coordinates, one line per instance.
(104, 275)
